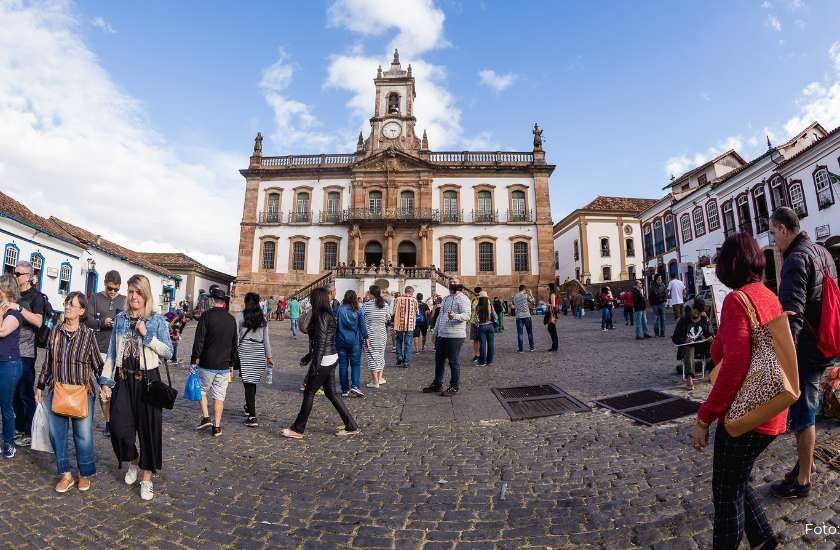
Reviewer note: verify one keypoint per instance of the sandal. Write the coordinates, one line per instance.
(344, 433)
(291, 434)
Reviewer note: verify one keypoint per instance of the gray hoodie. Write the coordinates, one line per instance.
(100, 307)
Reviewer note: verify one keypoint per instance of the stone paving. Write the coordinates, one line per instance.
(426, 472)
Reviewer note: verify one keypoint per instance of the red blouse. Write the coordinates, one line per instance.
(732, 344)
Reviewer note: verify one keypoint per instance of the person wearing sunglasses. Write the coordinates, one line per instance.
(32, 307)
(103, 308)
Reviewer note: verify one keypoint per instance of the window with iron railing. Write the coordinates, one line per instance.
(450, 257)
(450, 207)
(485, 207)
(517, 205)
(822, 183)
(520, 257)
(375, 202)
(762, 213)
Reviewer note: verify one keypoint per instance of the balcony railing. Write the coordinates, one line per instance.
(300, 216)
(391, 214)
(330, 217)
(485, 216)
(481, 157)
(452, 216)
(307, 161)
(520, 216)
(270, 217)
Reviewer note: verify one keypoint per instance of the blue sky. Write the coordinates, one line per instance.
(626, 92)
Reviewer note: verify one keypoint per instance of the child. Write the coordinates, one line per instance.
(692, 327)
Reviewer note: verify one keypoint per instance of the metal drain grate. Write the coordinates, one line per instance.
(523, 402)
(649, 406)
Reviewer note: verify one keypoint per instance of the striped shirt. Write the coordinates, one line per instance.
(72, 358)
(405, 314)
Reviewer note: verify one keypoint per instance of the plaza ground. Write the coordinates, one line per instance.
(426, 471)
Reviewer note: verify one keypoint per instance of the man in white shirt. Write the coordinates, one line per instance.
(676, 295)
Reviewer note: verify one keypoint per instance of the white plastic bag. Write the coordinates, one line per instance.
(41, 430)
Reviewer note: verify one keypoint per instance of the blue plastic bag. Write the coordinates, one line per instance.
(192, 389)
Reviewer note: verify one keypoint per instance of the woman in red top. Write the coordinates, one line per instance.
(740, 266)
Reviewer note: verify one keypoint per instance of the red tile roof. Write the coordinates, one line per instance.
(179, 260)
(12, 209)
(625, 204)
(97, 241)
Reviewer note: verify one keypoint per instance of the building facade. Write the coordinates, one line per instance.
(601, 242)
(484, 216)
(193, 275)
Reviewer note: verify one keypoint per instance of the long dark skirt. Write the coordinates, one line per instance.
(131, 418)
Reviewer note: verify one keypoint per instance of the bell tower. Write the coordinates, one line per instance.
(392, 123)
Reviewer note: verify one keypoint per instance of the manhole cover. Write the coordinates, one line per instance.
(649, 406)
(523, 402)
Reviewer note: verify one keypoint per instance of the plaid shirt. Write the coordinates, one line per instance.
(405, 313)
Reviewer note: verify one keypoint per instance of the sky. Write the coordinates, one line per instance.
(133, 119)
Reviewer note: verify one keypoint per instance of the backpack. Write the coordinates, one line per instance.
(421, 313)
(51, 318)
(828, 338)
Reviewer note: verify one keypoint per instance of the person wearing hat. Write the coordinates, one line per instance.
(214, 353)
(485, 328)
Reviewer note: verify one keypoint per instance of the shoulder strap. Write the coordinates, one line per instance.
(748, 305)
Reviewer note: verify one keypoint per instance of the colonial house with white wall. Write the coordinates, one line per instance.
(57, 257)
(601, 242)
(193, 275)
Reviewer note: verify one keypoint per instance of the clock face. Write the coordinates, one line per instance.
(391, 129)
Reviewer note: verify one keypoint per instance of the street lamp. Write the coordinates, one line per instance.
(91, 264)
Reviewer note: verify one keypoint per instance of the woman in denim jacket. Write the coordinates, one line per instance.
(139, 342)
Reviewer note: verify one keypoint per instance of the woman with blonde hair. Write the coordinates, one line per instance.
(138, 344)
(10, 365)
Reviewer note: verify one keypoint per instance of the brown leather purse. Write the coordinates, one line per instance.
(70, 400)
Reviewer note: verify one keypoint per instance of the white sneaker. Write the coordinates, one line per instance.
(371, 385)
(147, 490)
(131, 474)
(382, 381)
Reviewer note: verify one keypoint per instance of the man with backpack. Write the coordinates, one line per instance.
(32, 308)
(807, 277)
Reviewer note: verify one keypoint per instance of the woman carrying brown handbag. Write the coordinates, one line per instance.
(65, 389)
(740, 266)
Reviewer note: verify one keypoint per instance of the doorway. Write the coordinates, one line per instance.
(373, 253)
(407, 254)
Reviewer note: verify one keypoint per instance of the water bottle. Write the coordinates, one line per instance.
(269, 375)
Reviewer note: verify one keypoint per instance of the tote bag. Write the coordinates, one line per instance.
(772, 382)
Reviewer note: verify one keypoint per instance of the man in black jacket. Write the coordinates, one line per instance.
(639, 311)
(657, 303)
(800, 292)
(214, 352)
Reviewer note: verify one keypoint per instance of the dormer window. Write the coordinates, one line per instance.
(394, 103)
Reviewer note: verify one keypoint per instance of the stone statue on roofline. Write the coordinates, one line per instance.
(537, 137)
(258, 145)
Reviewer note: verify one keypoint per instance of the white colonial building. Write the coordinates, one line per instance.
(601, 242)
(394, 203)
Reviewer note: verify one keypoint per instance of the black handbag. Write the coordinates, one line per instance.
(156, 393)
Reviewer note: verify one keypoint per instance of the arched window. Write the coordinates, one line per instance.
(299, 256)
(605, 247)
(375, 202)
(450, 206)
(269, 254)
(629, 248)
(728, 218)
(450, 257)
(302, 207)
(797, 199)
(64, 275)
(10, 258)
(407, 202)
(485, 206)
(712, 215)
(744, 217)
(273, 205)
(658, 237)
(486, 257)
(822, 184)
(648, 242)
(778, 193)
(670, 233)
(762, 213)
(333, 202)
(393, 103)
(330, 255)
(685, 227)
(520, 256)
(37, 261)
(699, 221)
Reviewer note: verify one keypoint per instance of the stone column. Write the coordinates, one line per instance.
(584, 253)
(389, 234)
(623, 273)
(423, 236)
(356, 237)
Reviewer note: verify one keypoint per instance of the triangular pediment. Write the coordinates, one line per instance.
(391, 159)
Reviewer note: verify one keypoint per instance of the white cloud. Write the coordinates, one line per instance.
(482, 142)
(773, 22)
(834, 53)
(295, 126)
(74, 146)
(796, 4)
(100, 23)
(680, 164)
(819, 101)
(766, 5)
(496, 81)
(419, 27)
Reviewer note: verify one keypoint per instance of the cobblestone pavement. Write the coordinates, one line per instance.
(426, 471)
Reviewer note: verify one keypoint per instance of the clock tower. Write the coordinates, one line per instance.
(392, 123)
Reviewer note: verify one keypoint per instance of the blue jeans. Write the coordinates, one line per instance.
(447, 348)
(294, 326)
(526, 324)
(659, 319)
(628, 316)
(606, 317)
(405, 346)
(82, 438)
(353, 356)
(486, 334)
(9, 376)
(25, 396)
(640, 317)
(803, 413)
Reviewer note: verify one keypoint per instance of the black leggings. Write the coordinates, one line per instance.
(251, 398)
(322, 376)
